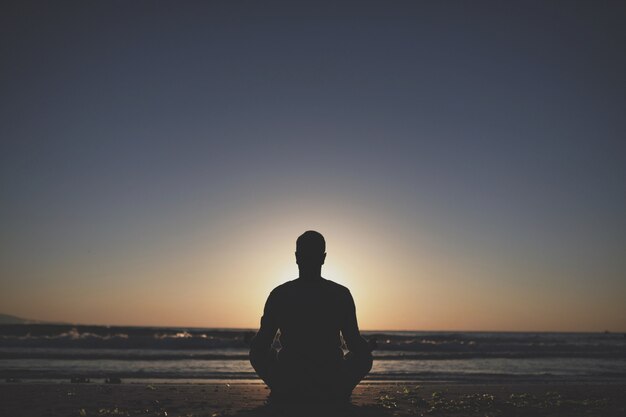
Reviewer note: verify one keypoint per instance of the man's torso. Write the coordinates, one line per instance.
(310, 315)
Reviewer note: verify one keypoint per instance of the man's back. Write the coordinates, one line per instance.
(310, 313)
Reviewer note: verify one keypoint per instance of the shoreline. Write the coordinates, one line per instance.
(370, 398)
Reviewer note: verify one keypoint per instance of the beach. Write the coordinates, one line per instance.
(236, 398)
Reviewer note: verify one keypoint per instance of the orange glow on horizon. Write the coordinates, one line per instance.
(399, 279)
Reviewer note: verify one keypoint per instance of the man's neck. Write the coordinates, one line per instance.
(315, 273)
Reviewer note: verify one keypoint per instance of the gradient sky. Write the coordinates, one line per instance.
(466, 161)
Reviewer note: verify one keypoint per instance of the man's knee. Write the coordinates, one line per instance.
(261, 361)
(365, 361)
(360, 363)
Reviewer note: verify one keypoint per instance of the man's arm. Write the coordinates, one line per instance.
(350, 329)
(262, 341)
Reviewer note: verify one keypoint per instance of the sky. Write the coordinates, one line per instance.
(465, 161)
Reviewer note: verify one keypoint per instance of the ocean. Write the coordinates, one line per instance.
(59, 352)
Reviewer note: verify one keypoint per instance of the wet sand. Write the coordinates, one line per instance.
(369, 399)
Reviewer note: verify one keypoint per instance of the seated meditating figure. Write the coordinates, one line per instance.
(311, 313)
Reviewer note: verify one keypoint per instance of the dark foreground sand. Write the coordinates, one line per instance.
(369, 399)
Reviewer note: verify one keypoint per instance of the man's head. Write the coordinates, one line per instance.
(310, 249)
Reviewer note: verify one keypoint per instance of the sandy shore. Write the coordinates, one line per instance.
(369, 399)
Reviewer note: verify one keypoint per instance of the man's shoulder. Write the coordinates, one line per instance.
(336, 287)
(285, 286)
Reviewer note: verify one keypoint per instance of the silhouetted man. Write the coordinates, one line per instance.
(310, 313)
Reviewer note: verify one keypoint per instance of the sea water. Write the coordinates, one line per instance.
(40, 351)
